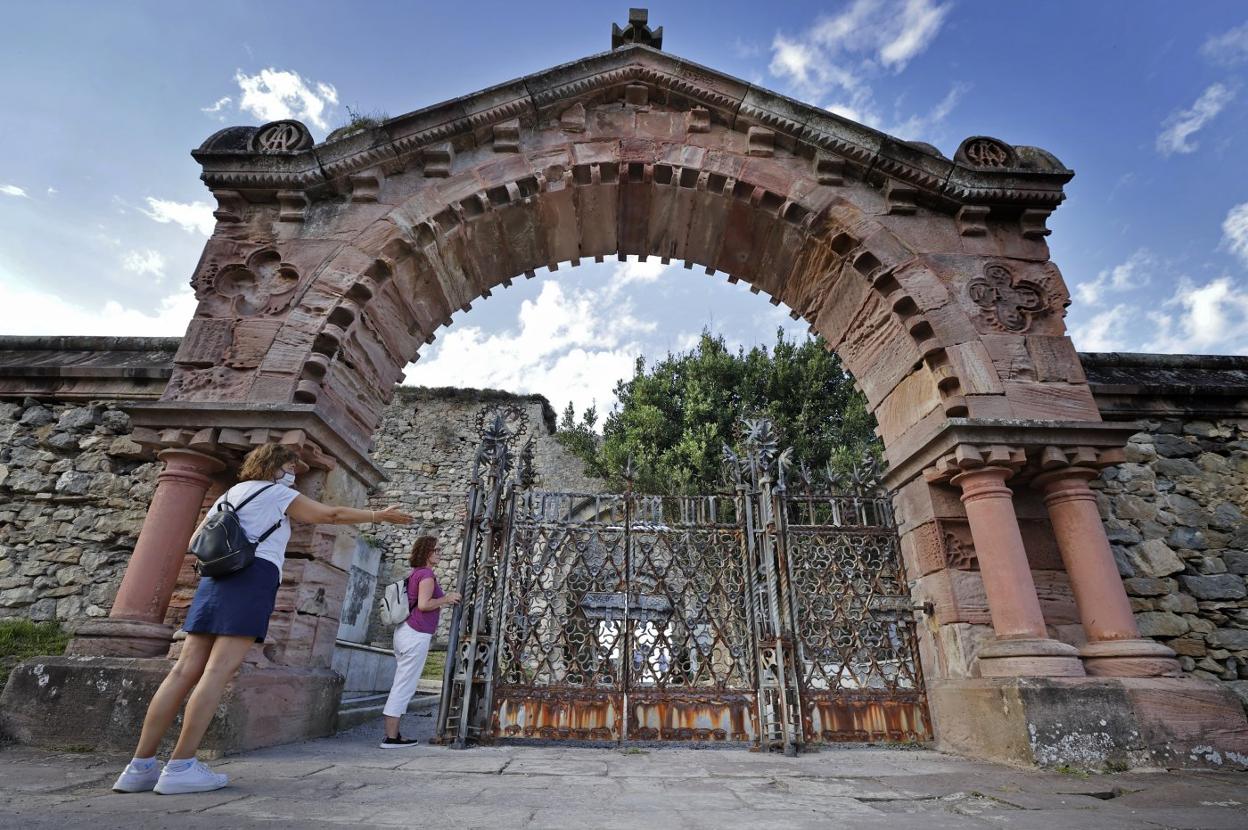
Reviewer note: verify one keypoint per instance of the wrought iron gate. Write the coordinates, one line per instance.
(769, 616)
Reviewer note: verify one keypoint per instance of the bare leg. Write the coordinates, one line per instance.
(392, 727)
(176, 686)
(223, 662)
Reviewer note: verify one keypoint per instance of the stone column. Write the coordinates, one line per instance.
(1114, 644)
(135, 627)
(1022, 646)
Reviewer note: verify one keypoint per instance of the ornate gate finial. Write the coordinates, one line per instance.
(637, 31)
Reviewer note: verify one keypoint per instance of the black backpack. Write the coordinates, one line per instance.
(222, 546)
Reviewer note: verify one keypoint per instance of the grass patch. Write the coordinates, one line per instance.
(434, 664)
(20, 639)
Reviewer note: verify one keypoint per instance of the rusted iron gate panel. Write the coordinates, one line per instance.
(771, 617)
(626, 618)
(857, 654)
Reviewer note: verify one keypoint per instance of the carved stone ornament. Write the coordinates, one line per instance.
(281, 137)
(959, 553)
(265, 285)
(637, 31)
(1005, 303)
(982, 151)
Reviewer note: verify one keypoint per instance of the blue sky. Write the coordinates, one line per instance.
(102, 216)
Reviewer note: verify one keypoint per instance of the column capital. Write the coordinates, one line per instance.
(967, 458)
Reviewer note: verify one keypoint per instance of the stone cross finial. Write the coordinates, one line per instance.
(637, 31)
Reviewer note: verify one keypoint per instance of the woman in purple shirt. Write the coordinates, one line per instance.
(412, 637)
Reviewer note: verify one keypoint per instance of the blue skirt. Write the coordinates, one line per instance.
(239, 604)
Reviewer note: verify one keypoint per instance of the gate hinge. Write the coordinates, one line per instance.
(928, 608)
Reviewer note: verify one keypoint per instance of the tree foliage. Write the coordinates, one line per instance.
(674, 417)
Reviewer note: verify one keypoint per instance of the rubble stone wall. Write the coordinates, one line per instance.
(73, 492)
(1177, 511)
(425, 444)
(1175, 514)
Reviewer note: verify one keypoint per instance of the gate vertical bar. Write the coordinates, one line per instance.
(627, 630)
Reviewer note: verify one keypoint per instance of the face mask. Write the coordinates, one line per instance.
(288, 479)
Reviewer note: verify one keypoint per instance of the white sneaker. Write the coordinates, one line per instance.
(134, 780)
(196, 778)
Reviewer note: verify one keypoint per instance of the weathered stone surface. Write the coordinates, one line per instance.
(1145, 586)
(1161, 624)
(1222, 586)
(1172, 446)
(1234, 639)
(1153, 558)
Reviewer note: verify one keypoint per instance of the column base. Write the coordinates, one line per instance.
(108, 637)
(97, 704)
(1097, 723)
(1028, 657)
(1129, 658)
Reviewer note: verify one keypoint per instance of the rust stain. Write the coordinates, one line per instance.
(865, 718)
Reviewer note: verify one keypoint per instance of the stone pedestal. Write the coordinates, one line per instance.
(98, 704)
(1110, 723)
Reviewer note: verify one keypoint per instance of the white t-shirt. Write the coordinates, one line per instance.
(261, 513)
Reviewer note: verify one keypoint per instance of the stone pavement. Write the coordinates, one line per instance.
(346, 781)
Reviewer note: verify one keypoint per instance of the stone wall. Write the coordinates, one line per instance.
(73, 492)
(425, 444)
(1175, 512)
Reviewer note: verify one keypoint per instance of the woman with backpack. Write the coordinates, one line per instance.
(413, 636)
(228, 615)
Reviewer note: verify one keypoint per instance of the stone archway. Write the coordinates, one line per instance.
(332, 264)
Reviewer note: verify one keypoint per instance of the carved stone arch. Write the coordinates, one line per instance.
(930, 276)
(824, 258)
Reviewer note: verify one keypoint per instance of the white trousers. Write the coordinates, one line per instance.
(411, 647)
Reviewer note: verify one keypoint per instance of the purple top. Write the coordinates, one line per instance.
(425, 622)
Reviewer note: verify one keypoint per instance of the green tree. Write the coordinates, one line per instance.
(674, 417)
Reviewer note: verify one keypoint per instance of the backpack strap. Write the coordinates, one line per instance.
(243, 504)
(253, 495)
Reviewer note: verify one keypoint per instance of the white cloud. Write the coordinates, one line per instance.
(1181, 125)
(569, 343)
(273, 94)
(192, 217)
(1125, 276)
(1105, 332)
(216, 108)
(1235, 231)
(1208, 318)
(920, 21)
(839, 55)
(13, 190)
(27, 311)
(52, 191)
(916, 127)
(866, 35)
(1228, 48)
(143, 262)
(636, 271)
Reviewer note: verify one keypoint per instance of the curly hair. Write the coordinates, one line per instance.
(265, 462)
(422, 549)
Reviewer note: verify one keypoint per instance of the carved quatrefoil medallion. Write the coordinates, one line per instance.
(1005, 303)
(265, 285)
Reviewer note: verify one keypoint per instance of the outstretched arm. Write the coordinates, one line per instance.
(304, 509)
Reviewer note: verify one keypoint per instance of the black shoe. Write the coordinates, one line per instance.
(396, 743)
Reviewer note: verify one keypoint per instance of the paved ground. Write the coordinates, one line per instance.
(346, 781)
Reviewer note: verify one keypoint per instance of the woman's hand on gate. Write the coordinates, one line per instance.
(451, 599)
